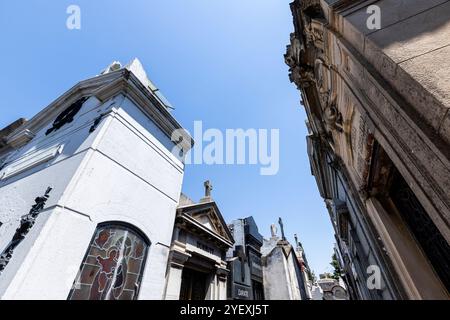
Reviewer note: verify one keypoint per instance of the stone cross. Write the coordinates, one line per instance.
(282, 229)
(208, 188)
(243, 259)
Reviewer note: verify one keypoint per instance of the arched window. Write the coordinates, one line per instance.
(113, 266)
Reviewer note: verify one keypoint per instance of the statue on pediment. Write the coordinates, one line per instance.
(294, 50)
(273, 230)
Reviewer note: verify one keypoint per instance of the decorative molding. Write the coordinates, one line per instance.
(130, 85)
(30, 161)
(26, 223)
(178, 255)
(315, 34)
(222, 271)
(5, 132)
(20, 138)
(105, 87)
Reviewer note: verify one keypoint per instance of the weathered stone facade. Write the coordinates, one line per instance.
(377, 102)
(284, 278)
(197, 267)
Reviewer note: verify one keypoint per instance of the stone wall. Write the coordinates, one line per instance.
(370, 90)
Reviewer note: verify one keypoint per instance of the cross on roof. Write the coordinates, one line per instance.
(208, 188)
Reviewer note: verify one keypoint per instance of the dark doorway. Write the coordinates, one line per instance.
(422, 227)
(397, 197)
(193, 285)
(258, 290)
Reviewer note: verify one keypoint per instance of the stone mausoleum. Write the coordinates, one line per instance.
(284, 278)
(244, 260)
(197, 267)
(89, 189)
(376, 94)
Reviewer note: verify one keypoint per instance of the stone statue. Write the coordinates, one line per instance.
(273, 230)
(294, 50)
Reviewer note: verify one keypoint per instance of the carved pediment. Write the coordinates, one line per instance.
(207, 215)
(206, 220)
(210, 220)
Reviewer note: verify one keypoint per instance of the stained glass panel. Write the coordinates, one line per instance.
(113, 266)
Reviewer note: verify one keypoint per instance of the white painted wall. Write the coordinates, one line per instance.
(276, 278)
(124, 171)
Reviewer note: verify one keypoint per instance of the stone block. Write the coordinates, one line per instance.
(392, 11)
(431, 70)
(417, 35)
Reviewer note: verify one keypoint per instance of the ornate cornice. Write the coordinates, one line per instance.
(104, 87)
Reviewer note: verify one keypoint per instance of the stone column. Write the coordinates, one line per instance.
(177, 259)
(222, 274)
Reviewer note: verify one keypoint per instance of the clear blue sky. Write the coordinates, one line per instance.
(219, 61)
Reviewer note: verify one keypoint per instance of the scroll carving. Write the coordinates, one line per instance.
(26, 223)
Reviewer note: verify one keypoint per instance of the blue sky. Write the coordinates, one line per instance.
(218, 61)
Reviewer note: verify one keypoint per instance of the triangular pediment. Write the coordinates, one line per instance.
(209, 216)
(206, 221)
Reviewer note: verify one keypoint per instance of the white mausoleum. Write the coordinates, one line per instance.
(89, 189)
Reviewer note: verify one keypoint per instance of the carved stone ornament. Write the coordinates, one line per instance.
(294, 51)
(315, 34)
(67, 115)
(305, 4)
(323, 82)
(333, 118)
(26, 223)
(302, 76)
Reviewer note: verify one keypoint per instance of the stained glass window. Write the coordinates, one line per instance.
(113, 266)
